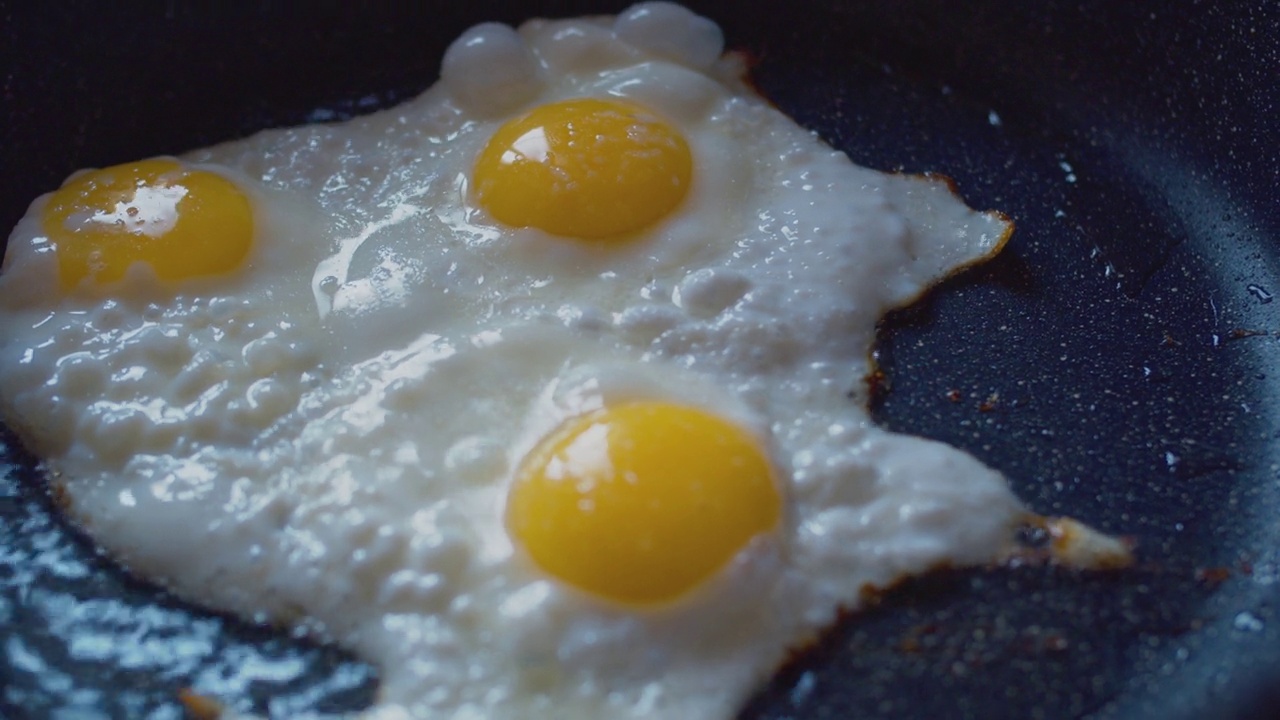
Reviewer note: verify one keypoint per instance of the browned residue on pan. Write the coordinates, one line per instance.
(198, 706)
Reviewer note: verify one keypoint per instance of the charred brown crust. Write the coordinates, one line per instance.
(877, 385)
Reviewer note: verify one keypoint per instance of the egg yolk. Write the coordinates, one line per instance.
(640, 503)
(183, 223)
(589, 169)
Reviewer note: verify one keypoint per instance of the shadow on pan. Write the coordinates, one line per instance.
(1117, 362)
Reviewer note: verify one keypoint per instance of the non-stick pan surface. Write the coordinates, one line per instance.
(1119, 362)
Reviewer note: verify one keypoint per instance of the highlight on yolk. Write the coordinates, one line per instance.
(590, 169)
(642, 502)
(183, 223)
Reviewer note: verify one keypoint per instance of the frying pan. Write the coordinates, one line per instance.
(1118, 361)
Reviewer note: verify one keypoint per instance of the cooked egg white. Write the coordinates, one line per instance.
(541, 391)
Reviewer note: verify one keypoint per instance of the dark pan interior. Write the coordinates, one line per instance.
(1116, 362)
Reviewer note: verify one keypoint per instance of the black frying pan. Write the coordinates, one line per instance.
(1117, 361)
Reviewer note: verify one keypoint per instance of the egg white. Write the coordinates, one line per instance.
(325, 437)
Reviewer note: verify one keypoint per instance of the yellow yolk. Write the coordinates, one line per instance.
(590, 169)
(183, 223)
(642, 502)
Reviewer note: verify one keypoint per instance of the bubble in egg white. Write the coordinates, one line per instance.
(490, 68)
(325, 437)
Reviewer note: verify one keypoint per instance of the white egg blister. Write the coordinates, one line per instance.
(327, 436)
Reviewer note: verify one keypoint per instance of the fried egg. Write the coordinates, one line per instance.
(543, 391)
